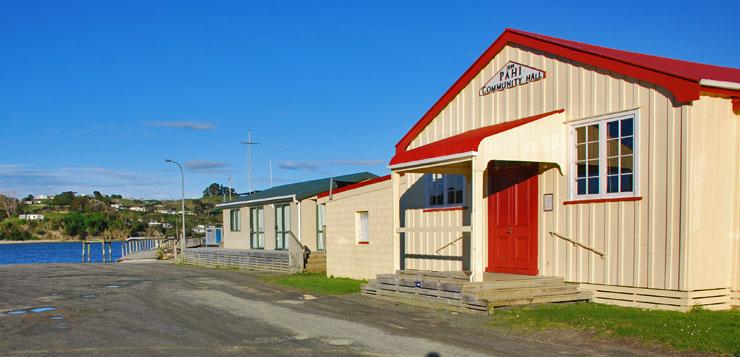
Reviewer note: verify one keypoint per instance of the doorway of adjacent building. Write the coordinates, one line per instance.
(282, 226)
(512, 218)
(320, 226)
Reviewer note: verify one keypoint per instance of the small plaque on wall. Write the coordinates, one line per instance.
(547, 202)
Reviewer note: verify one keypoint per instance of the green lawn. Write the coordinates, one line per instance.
(318, 283)
(698, 330)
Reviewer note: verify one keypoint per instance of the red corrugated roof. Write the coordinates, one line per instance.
(685, 69)
(356, 185)
(461, 143)
(680, 78)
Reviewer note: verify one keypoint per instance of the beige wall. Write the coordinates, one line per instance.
(735, 286)
(646, 242)
(346, 258)
(712, 193)
(308, 223)
(240, 239)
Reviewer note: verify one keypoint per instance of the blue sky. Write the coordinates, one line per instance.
(94, 95)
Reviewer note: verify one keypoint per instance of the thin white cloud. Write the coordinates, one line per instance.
(298, 165)
(314, 165)
(205, 166)
(190, 125)
(356, 162)
(25, 179)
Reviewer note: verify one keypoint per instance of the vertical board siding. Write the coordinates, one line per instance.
(427, 243)
(713, 193)
(642, 241)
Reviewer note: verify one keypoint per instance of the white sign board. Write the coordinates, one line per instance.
(512, 74)
(547, 203)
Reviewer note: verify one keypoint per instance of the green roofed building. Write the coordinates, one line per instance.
(269, 219)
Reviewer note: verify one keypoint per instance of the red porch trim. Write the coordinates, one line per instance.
(603, 200)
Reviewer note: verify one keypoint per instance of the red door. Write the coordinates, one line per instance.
(512, 219)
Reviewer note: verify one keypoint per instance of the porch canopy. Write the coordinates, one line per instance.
(539, 138)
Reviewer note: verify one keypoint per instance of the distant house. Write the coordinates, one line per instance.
(166, 211)
(32, 217)
(166, 225)
(154, 224)
(137, 209)
(269, 219)
(117, 206)
(200, 229)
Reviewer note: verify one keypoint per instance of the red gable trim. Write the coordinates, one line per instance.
(356, 185)
(460, 143)
(674, 75)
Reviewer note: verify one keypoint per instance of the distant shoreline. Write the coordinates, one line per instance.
(47, 241)
(36, 241)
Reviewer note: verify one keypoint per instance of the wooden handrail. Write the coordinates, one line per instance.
(602, 255)
(447, 245)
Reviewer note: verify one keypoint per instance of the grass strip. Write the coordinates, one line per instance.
(697, 330)
(318, 283)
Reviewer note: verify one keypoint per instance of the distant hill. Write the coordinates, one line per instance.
(69, 216)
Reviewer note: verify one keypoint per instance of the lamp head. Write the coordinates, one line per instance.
(167, 160)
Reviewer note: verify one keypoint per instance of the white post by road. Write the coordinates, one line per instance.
(182, 185)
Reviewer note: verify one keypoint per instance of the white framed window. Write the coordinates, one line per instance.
(604, 157)
(444, 190)
(257, 227)
(235, 220)
(362, 227)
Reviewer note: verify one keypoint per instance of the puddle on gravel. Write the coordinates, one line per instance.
(34, 310)
(113, 286)
(42, 309)
(16, 312)
(56, 318)
(88, 296)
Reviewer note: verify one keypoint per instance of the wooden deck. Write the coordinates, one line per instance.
(454, 289)
(253, 259)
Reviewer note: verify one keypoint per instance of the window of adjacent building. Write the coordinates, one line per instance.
(604, 158)
(362, 227)
(320, 226)
(445, 190)
(234, 219)
(282, 226)
(257, 227)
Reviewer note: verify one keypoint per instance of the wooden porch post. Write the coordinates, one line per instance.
(396, 182)
(478, 251)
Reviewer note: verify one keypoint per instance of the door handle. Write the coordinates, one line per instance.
(509, 231)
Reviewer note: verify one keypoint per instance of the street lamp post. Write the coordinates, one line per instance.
(182, 182)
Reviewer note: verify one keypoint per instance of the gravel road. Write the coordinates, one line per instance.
(161, 309)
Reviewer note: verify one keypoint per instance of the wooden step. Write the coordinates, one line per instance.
(578, 296)
(421, 274)
(523, 293)
(513, 284)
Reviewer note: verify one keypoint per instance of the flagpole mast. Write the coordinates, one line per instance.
(249, 144)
